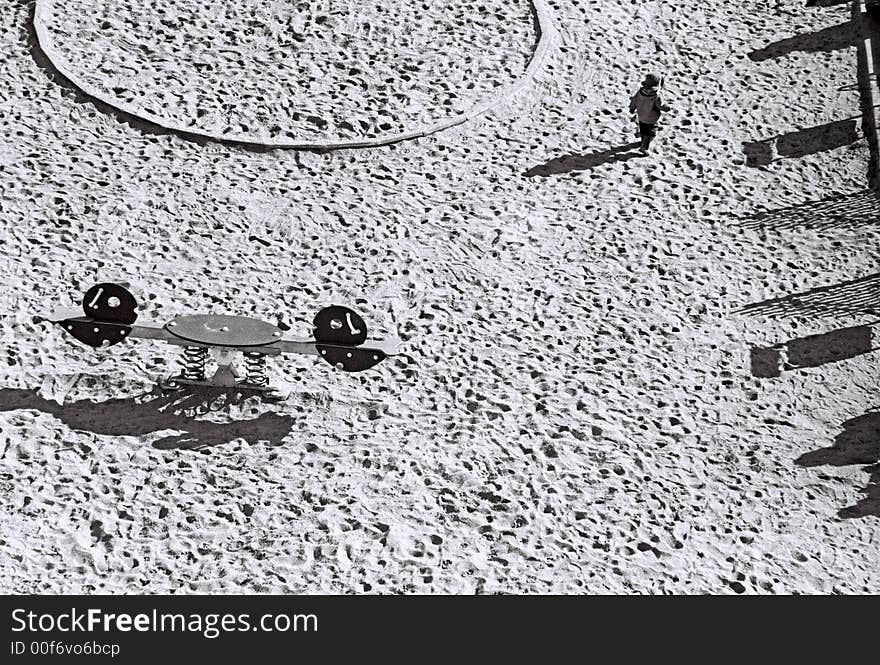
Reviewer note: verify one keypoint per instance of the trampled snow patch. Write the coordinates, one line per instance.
(282, 73)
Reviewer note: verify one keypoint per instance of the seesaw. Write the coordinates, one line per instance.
(110, 312)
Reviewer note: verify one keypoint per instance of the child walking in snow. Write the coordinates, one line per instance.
(647, 107)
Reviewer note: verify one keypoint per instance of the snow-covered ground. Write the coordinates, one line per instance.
(281, 72)
(595, 396)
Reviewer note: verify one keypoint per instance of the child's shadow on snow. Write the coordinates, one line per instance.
(569, 163)
(155, 412)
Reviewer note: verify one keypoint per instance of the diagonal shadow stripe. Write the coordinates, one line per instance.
(803, 142)
(842, 211)
(836, 37)
(812, 351)
(858, 296)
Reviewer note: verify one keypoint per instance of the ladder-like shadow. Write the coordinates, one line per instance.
(859, 442)
(842, 211)
(855, 297)
(155, 412)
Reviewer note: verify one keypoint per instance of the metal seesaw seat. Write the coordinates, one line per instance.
(110, 315)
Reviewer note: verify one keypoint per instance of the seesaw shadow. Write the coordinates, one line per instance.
(154, 412)
(569, 163)
(857, 444)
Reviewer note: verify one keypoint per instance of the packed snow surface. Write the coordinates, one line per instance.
(595, 393)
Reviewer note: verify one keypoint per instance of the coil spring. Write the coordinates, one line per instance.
(194, 360)
(255, 364)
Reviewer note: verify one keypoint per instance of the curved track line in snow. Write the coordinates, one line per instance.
(546, 37)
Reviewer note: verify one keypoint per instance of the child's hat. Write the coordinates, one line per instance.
(651, 81)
